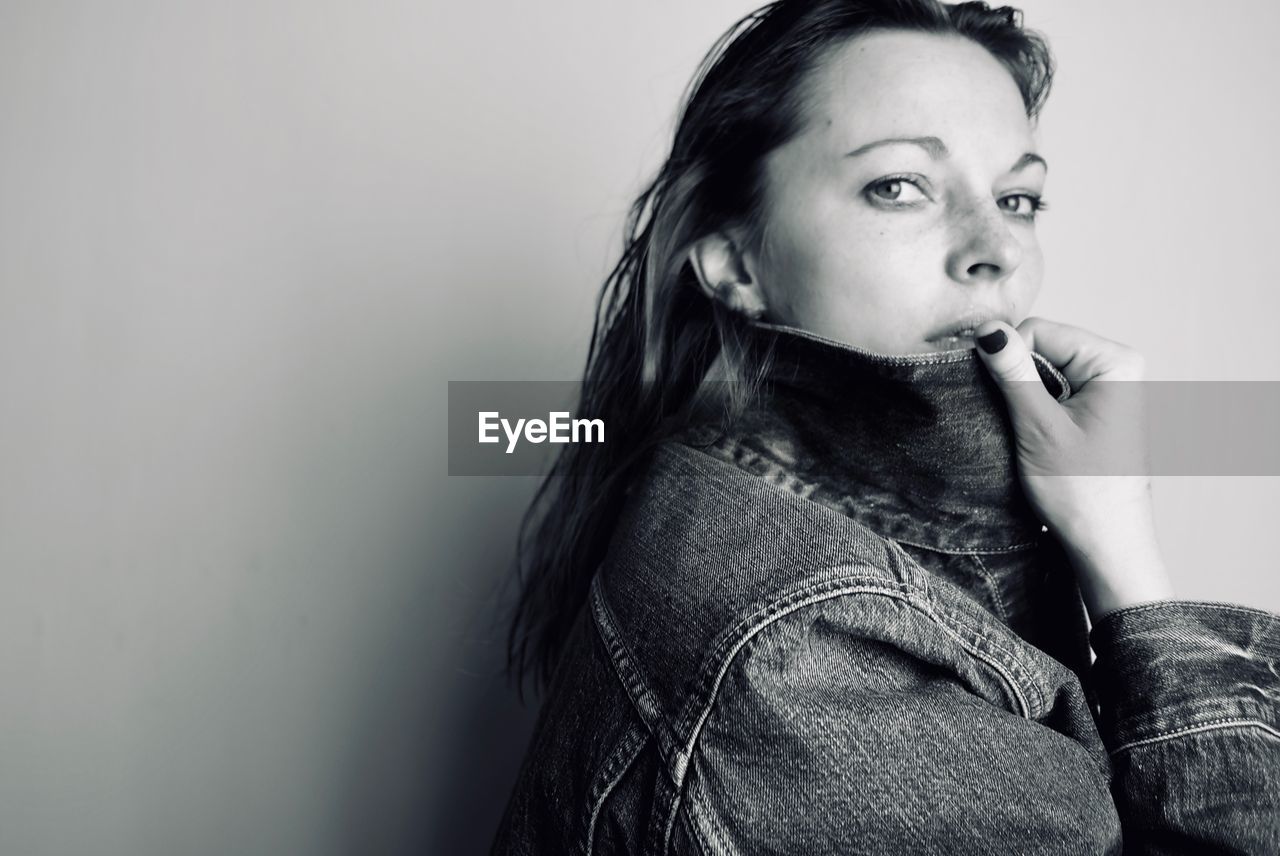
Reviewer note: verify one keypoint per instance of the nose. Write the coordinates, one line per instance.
(985, 250)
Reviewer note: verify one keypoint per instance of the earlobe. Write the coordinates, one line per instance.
(723, 275)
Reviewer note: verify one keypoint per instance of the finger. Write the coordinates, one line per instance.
(1031, 406)
(1079, 354)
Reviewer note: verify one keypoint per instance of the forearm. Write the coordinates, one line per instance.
(1118, 564)
(1183, 689)
(1120, 576)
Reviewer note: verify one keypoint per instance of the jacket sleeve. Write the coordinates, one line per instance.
(1189, 696)
(826, 737)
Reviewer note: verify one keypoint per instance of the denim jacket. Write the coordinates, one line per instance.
(839, 628)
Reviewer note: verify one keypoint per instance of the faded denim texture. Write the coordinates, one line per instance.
(840, 629)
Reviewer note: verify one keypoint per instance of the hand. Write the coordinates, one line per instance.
(1082, 463)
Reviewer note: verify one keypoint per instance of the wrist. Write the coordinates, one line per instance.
(1102, 596)
(1118, 575)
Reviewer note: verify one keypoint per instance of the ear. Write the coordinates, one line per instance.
(725, 274)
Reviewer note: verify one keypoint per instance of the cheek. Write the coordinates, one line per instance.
(794, 263)
(840, 243)
(847, 264)
(871, 292)
(882, 270)
(1027, 283)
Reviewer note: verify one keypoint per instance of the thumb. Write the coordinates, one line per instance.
(1008, 359)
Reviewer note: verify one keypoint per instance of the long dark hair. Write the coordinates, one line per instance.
(657, 334)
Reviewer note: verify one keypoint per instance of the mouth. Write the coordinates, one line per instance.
(955, 342)
(961, 333)
(963, 338)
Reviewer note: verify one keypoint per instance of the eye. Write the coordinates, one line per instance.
(1025, 205)
(896, 190)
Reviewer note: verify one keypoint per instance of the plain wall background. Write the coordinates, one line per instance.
(243, 246)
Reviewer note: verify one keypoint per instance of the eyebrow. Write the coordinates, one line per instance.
(938, 150)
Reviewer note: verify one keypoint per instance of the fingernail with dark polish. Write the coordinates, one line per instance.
(993, 342)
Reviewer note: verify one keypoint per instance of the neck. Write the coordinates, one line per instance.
(918, 447)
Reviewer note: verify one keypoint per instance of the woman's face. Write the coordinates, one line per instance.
(893, 245)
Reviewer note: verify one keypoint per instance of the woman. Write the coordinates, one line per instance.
(833, 584)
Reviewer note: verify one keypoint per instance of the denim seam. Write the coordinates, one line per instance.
(671, 821)
(807, 597)
(930, 358)
(1165, 604)
(612, 771)
(734, 447)
(623, 661)
(965, 551)
(1211, 725)
(996, 598)
(918, 575)
(699, 810)
(725, 650)
(738, 639)
(944, 618)
(942, 615)
(1123, 635)
(695, 835)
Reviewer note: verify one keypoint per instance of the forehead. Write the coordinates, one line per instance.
(893, 82)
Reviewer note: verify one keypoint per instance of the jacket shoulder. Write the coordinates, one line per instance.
(883, 724)
(762, 637)
(703, 556)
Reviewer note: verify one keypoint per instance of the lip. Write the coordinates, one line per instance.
(953, 342)
(960, 332)
(946, 344)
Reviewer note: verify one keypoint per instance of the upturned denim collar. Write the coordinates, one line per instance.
(918, 447)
